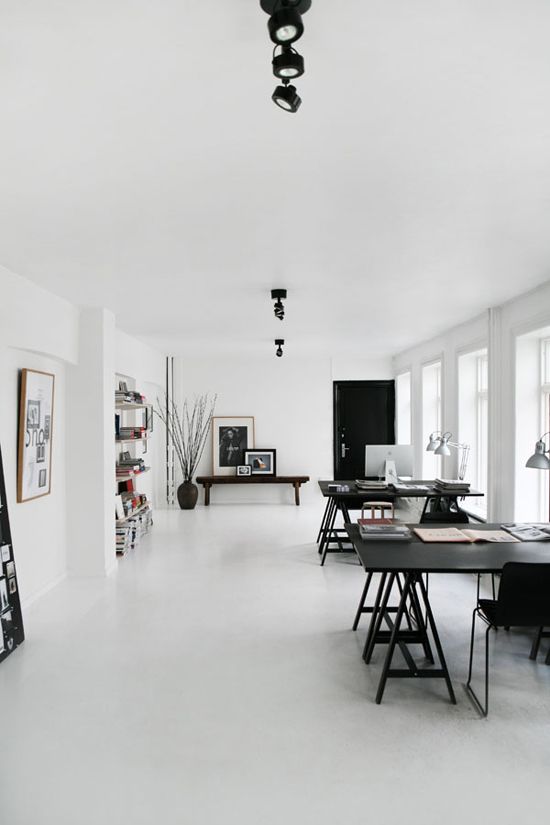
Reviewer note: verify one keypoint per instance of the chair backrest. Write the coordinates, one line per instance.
(524, 595)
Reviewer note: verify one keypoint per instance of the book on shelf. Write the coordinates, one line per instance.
(453, 535)
(528, 532)
(129, 397)
(132, 432)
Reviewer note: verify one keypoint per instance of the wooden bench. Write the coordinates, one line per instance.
(209, 481)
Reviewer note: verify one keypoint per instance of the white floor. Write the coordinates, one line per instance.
(215, 680)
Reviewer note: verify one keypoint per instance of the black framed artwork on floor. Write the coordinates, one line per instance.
(11, 619)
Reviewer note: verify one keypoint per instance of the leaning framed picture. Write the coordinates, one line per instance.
(263, 462)
(34, 457)
(231, 436)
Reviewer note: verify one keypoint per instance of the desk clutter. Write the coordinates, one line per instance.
(452, 485)
(383, 530)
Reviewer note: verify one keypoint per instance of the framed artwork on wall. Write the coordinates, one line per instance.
(34, 457)
(263, 462)
(231, 436)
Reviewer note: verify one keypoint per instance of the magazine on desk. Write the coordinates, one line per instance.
(453, 534)
(528, 532)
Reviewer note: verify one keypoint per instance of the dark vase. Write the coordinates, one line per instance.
(187, 495)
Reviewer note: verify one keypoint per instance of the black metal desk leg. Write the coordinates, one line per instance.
(393, 639)
(362, 601)
(328, 531)
(323, 520)
(379, 619)
(437, 642)
(375, 610)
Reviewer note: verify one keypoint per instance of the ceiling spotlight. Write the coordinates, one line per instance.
(287, 98)
(285, 26)
(288, 63)
(279, 344)
(277, 295)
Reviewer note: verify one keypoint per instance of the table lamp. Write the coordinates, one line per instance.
(539, 460)
(439, 443)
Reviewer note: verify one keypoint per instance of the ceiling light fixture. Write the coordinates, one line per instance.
(278, 295)
(286, 97)
(279, 344)
(288, 63)
(285, 27)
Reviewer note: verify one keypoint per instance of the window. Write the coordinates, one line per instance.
(473, 417)
(431, 416)
(403, 408)
(532, 420)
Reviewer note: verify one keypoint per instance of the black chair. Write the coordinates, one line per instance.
(523, 601)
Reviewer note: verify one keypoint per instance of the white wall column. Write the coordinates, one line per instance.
(91, 448)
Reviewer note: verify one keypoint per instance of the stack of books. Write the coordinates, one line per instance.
(383, 530)
(452, 485)
(372, 486)
(130, 466)
(129, 534)
(131, 433)
(129, 397)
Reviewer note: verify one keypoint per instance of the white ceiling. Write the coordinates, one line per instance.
(143, 166)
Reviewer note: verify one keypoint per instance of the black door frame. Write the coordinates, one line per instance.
(387, 384)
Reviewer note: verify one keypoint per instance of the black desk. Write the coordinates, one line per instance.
(354, 499)
(410, 560)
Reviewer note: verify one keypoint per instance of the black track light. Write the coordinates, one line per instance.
(288, 63)
(285, 26)
(277, 295)
(279, 344)
(287, 98)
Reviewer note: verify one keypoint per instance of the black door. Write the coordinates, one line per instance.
(364, 413)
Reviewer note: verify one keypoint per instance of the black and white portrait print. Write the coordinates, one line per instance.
(233, 443)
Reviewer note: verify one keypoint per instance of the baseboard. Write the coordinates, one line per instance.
(42, 592)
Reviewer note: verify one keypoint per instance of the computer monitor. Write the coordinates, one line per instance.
(376, 456)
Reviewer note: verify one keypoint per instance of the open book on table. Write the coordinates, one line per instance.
(453, 534)
(528, 532)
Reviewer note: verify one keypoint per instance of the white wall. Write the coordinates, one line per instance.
(446, 348)
(38, 330)
(291, 400)
(498, 329)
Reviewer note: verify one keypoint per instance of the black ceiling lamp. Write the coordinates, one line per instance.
(285, 27)
(288, 63)
(279, 344)
(278, 295)
(287, 97)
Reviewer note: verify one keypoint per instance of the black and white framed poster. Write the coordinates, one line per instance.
(11, 620)
(34, 466)
(231, 436)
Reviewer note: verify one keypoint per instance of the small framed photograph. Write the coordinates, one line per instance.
(262, 462)
(231, 436)
(244, 470)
